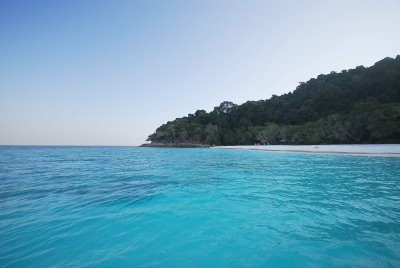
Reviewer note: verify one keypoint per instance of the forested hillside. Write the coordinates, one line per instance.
(360, 105)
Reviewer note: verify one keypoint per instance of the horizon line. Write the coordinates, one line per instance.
(61, 145)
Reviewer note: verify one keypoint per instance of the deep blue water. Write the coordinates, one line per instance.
(128, 206)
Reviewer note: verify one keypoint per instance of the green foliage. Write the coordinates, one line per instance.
(361, 105)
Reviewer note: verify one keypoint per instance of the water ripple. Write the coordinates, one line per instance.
(127, 206)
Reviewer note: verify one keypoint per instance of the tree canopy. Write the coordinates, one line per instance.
(360, 105)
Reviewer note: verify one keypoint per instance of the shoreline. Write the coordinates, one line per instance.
(348, 149)
(174, 145)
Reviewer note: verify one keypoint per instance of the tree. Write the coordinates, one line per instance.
(224, 107)
(359, 105)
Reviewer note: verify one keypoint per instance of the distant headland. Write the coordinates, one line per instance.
(356, 106)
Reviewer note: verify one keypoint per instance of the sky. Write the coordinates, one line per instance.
(99, 72)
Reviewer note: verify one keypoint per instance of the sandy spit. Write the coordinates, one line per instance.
(359, 149)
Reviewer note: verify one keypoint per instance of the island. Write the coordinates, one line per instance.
(356, 106)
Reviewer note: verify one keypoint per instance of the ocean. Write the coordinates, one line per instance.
(167, 207)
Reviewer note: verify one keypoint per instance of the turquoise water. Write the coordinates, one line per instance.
(128, 206)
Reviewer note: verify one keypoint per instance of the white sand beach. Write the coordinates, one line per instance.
(364, 149)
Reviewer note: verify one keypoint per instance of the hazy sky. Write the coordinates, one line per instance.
(110, 72)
